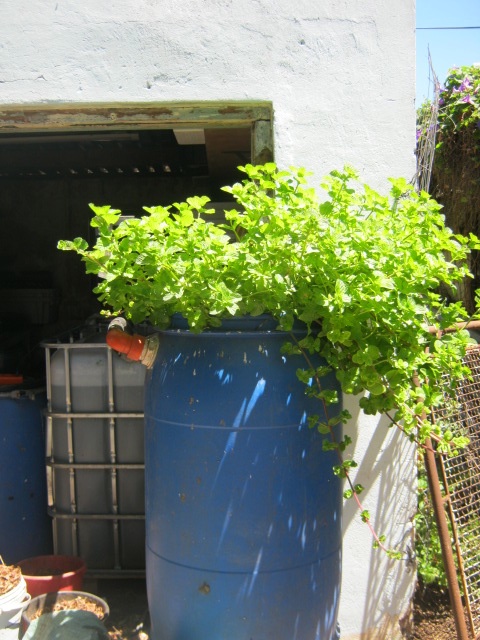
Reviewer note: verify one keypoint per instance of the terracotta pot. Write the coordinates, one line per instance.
(45, 574)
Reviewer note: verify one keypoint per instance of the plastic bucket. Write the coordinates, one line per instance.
(44, 574)
(243, 511)
(12, 603)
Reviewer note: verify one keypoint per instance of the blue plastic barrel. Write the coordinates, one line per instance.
(243, 511)
(25, 527)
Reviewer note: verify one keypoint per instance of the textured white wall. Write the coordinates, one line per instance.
(340, 75)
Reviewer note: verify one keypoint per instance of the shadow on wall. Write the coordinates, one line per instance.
(387, 471)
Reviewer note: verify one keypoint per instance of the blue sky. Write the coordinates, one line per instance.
(448, 47)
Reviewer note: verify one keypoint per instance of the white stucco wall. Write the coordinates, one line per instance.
(340, 75)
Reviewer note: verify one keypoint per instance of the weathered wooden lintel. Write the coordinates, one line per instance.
(87, 117)
(79, 117)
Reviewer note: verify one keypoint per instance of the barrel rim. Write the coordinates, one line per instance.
(236, 326)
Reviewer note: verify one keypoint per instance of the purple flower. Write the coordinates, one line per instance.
(467, 98)
(466, 85)
(419, 134)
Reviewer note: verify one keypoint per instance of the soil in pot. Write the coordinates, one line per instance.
(10, 576)
(65, 601)
(78, 603)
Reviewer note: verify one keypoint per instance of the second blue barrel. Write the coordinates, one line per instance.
(25, 527)
(243, 511)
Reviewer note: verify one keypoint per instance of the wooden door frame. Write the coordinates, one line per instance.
(95, 117)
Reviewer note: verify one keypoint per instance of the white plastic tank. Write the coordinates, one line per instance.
(95, 452)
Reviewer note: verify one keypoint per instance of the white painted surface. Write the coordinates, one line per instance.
(340, 75)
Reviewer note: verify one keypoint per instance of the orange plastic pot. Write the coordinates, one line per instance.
(44, 574)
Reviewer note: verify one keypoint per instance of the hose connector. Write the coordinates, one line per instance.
(134, 347)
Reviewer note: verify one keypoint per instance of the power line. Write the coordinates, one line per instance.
(430, 28)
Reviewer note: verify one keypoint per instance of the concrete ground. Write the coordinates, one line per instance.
(127, 599)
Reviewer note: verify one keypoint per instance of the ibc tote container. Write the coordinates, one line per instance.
(95, 453)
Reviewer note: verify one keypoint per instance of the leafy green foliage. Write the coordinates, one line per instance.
(458, 111)
(460, 103)
(455, 173)
(362, 270)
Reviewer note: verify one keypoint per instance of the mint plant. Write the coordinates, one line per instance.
(362, 270)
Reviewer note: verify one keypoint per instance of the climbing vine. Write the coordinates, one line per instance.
(455, 179)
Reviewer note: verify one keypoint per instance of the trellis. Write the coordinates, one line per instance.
(426, 134)
(461, 480)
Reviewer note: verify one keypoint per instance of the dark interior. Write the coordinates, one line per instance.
(47, 181)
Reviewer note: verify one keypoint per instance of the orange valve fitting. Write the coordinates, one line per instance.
(134, 347)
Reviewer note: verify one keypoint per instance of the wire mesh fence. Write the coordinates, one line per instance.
(461, 475)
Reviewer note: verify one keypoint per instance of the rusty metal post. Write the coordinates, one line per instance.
(443, 533)
(447, 553)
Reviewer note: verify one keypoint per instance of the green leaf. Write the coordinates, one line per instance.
(104, 215)
(185, 217)
(323, 428)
